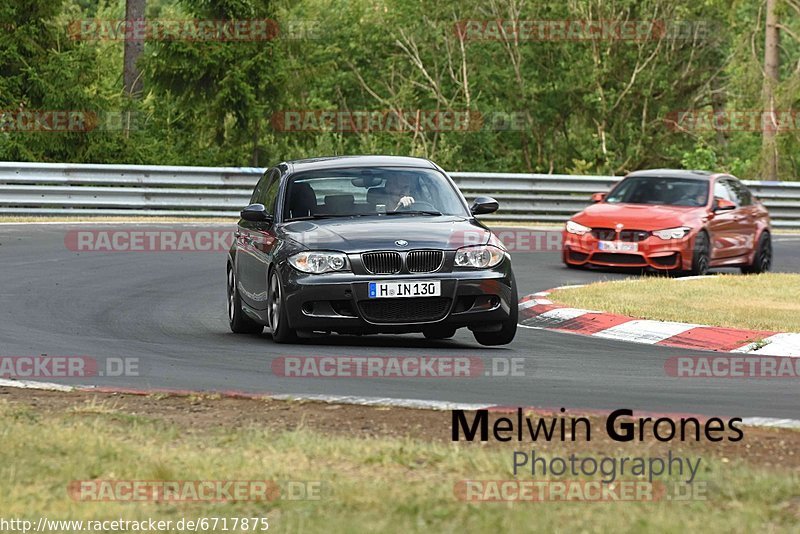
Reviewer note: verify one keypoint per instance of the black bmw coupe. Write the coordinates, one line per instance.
(367, 245)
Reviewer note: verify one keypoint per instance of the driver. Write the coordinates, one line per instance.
(398, 192)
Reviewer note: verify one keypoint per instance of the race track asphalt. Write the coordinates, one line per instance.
(168, 310)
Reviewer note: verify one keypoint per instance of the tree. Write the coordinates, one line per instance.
(771, 79)
(132, 80)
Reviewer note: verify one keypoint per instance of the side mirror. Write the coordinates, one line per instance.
(256, 213)
(483, 205)
(598, 197)
(722, 204)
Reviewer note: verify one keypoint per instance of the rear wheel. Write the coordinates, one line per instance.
(700, 256)
(276, 309)
(239, 322)
(506, 334)
(762, 259)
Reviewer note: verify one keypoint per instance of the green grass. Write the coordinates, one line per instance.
(759, 302)
(369, 485)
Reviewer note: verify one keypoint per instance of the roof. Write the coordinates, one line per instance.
(675, 173)
(335, 162)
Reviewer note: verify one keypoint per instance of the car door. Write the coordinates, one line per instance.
(748, 213)
(255, 243)
(724, 226)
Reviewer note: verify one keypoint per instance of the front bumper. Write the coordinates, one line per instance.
(653, 252)
(339, 302)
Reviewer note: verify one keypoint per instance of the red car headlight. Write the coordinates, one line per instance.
(672, 233)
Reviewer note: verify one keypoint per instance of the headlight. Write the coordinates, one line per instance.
(578, 229)
(318, 262)
(672, 233)
(479, 257)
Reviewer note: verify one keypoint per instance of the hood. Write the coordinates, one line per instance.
(639, 216)
(368, 233)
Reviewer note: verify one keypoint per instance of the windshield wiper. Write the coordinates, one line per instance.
(329, 216)
(413, 212)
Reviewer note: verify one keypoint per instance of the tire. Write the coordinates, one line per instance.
(239, 322)
(762, 259)
(700, 255)
(276, 312)
(506, 334)
(440, 332)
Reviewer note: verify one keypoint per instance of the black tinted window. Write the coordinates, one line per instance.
(660, 190)
(267, 190)
(740, 192)
(261, 188)
(270, 194)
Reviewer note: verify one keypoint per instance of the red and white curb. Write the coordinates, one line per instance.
(538, 311)
(419, 404)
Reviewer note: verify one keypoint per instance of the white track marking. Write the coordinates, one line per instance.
(785, 344)
(771, 422)
(560, 315)
(381, 401)
(29, 384)
(645, 331)
(385, 401)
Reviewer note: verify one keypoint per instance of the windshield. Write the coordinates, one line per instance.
(658, 190)
(373, 191)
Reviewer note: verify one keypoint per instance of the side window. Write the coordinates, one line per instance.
(741, 192)
(271, 194)
(267, 190)
(721, 191)
(261, 188)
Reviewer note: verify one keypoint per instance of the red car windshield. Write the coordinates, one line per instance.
(658, 190)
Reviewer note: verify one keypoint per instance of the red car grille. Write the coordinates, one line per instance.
(620, 259)
(604, 234)
(609, 234)
(633, 235)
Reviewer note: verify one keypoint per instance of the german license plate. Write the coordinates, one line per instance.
(392, 290)
(617, 246)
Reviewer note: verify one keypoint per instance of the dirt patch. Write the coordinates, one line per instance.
(197, 414)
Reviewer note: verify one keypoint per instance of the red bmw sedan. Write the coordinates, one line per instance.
(672, 220)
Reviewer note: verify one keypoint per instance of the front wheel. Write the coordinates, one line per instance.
(700, 256)
(276, 309)
(506, 334)
(762, 259)
(239, 322)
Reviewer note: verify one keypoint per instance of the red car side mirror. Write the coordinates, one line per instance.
(722, 204)
(598, 197)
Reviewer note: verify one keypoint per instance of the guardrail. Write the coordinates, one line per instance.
(143, 190)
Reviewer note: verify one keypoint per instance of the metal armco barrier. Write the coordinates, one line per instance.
(143, 190)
